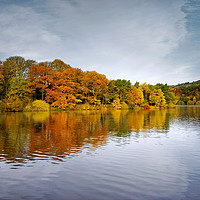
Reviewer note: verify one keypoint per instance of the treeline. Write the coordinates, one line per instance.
(186, 84)
(64, 87)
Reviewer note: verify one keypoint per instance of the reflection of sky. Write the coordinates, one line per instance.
(140, 40)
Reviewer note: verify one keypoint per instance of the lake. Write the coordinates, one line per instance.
(100, 155)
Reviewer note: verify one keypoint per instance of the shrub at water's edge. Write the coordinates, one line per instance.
(37, 105)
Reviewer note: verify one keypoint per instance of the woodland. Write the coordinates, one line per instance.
(26, 85)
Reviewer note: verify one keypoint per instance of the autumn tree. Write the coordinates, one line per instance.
(39, 79)
(146, 91)
(169, 96)
(135, 96)
(97, 85)
(66, 88)
(157, 98)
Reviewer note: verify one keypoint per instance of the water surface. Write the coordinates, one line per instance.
(101, 155)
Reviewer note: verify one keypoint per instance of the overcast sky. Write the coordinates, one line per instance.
(138, 40)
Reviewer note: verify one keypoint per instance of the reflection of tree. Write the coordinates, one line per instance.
(194, 112)
(118, 124)
(13, 135)
(33, 134)
(156, 119)
(186, 112)
(123, 123)
(159, 119)
(136, 120)
(30, 135)
(67, 133)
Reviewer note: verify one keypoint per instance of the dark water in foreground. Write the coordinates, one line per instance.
(115, 155)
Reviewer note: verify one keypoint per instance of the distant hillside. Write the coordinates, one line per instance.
(187, 93)
(186, 84)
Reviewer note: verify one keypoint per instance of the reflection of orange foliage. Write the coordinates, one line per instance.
(64, 133)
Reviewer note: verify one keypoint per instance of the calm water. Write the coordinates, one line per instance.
(87, 155)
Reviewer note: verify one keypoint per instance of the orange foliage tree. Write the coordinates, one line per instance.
(39, 78)
(97, 85)
(66, 88)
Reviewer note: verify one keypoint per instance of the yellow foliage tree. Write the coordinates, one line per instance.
(146, 90)
(135, 96)
(157, 98)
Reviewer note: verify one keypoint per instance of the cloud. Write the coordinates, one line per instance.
(23, 33)
(122, 39)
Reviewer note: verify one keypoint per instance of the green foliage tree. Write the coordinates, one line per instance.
(59, 65)
(185, 100)
(146, 91)
(18, 95)
(169, 96)
(45, 64)
(22, 64)
(122, 89)
(112, 92)
(137, 84)
(19, 62)
(10, 70)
